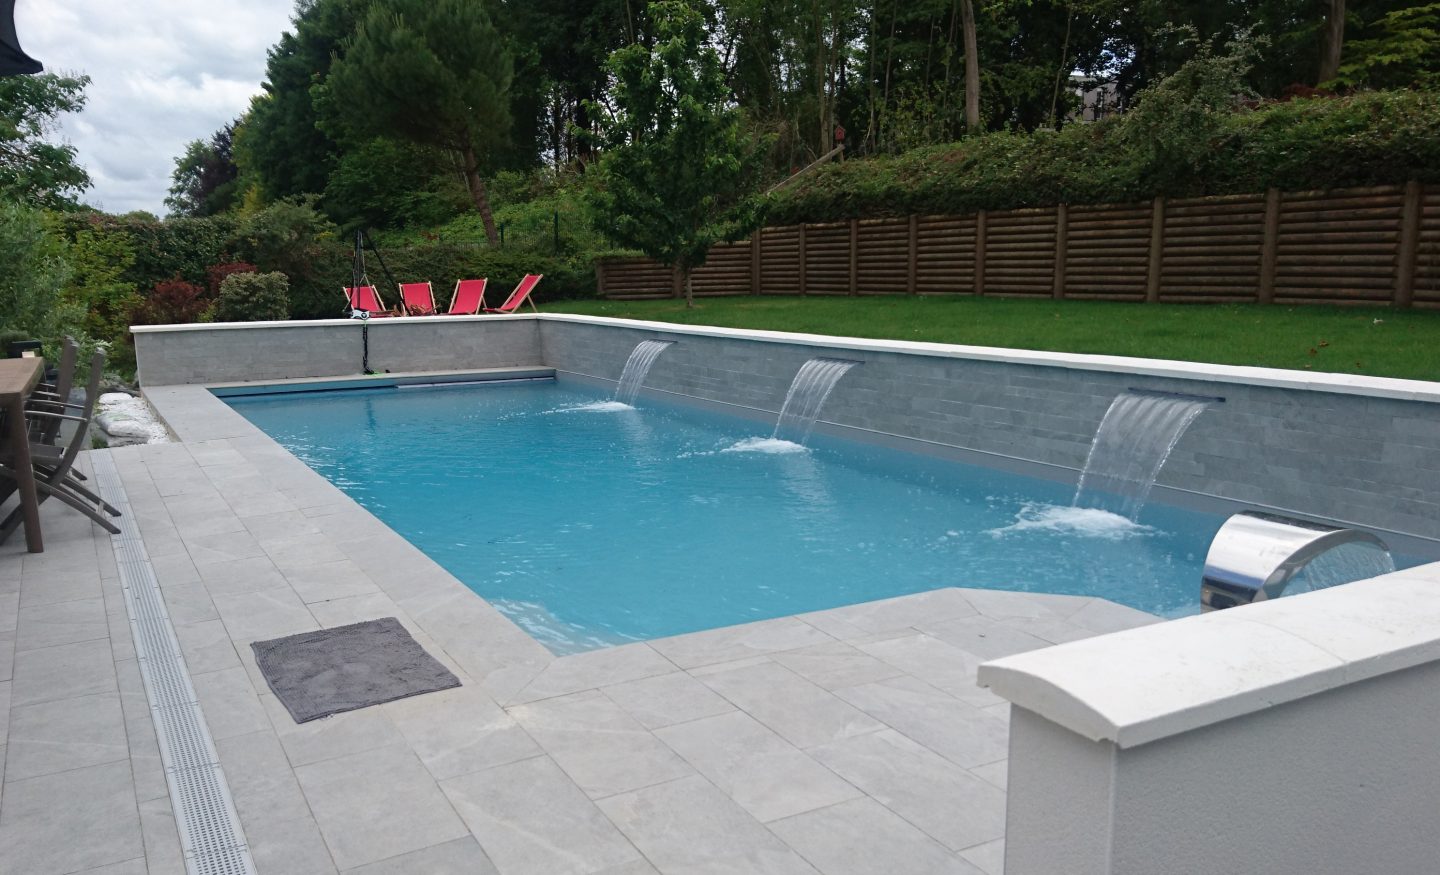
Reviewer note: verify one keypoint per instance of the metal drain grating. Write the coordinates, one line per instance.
(210, 832)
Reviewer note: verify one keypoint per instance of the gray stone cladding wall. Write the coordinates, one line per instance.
(225, 355)
(1371, 461)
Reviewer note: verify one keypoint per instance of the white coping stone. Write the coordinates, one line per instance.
(1145, 684)
(1343, 384)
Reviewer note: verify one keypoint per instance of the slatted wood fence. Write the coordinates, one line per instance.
(1364, 246)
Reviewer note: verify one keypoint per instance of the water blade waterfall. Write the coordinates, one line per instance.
(1343, 563)
(808, 391)
(1130, 447)
(636, 367)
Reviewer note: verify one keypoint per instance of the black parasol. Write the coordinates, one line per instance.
(13, 60)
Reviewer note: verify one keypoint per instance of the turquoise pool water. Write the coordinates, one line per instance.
(592, 524)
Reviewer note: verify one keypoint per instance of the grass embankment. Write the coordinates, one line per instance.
(1352, 340)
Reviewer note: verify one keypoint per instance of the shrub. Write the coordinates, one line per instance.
(215, 274)
(33, 270)
(173, 302)
(252, 297)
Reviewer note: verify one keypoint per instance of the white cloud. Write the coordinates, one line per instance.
(163, 73)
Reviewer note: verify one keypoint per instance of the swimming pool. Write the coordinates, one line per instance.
(591, 524)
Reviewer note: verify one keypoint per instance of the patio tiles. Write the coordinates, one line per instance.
(766, 775)
(819, 743)
(861, 837)
(531, 819)
(602, 748)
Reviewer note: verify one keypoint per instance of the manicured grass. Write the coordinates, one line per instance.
(1352, 340)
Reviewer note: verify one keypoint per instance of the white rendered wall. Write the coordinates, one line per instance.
(1329, 764)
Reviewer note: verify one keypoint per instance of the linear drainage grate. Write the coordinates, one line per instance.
(210, 832)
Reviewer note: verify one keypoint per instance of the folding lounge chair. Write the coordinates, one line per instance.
(469, 296)
(54, 396)
(53, 464)
(521, 295)
(365, 298)
(417, 299)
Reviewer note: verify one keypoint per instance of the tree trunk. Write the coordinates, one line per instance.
(1334, 42)
(972, 67)
(1063, 73)
(689, 290)
(478, 194)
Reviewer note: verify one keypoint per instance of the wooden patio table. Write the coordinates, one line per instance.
(17, 380)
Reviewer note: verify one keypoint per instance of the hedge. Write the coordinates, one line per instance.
(1313, 143)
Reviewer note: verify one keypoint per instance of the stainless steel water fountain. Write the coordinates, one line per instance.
(1256, 555)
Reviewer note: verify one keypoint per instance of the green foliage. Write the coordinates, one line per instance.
(434, 72)
(33, 169)
(206, 180)
(99, 260)
(32, 272)
(388, 183)
(251, 297)
(1400, 49)
(674, 170)
(1315, 143)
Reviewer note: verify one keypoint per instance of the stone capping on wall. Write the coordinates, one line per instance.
(1142, 685)
(1344, 384)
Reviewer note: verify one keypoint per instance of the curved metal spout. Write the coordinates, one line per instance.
(1255, 555)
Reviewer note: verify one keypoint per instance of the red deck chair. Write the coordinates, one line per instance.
(521, 295)
(417, 299)
(365, 298)
(468, 297)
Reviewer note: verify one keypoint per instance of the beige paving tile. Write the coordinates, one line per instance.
(279, 827)
(59, 586)
(378, 804)
(242, 575)
(588, 671)
(163, 855)
(207, 646)
(667, 699)
(65, 734)
(988, 858)
(984, 637)
(260, 616)
(766, 775)
(459, 857)
(958, 731)
(69, 622)
(862, 837)
(880, 616)
(460, 730)
(327, 581)
(230, 703)
(600, 746)
(222, 548)
(531, 819)
(187, 603)
(937, 662)
(951, 805)
(63, 672)
(835, 665)
(801, 712)
(298, 551)
(739, 642)
(340, 735)
(688, 826)
(70, 821)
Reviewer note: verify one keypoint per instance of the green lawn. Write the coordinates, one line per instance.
(1352, 340)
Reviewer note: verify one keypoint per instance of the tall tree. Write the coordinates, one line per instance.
(676, 165)
(32, 168)
(1334, 41)
(972, 66)
(434, 72)
(205, 180)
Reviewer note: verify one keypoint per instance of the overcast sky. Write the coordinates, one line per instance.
(164, 72)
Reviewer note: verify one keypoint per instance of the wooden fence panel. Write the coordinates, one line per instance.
(1338, 246)
(882, 257)
(780, 261)
(1020, 253)
(1107, 252)
(726, 271)
(1211, 250)
(1370, 246)
(637, 278)
(827, 259)
(945, 256)
(1427, 252)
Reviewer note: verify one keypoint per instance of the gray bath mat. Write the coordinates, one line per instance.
(316, 674)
